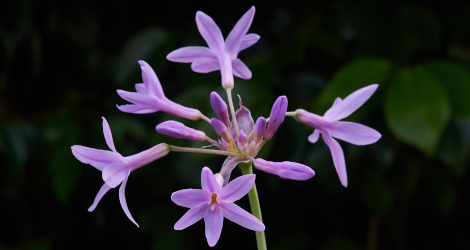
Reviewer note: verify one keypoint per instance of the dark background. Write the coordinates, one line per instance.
(62, 61)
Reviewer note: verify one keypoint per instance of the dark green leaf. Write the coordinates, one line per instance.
(417, 109)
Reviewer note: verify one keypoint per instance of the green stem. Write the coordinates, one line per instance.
(255, 207)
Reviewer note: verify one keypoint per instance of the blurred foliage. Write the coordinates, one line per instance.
(61, 63)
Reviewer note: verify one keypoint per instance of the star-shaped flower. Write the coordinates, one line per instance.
(220, 55)
(116, 168)
(214, 202)
(330, 126)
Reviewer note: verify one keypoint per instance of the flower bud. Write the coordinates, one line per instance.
(285, 169)
(220, 108)
(221, 129)
(179, 131)
(260, 128)
(278, 113)
(242, 137)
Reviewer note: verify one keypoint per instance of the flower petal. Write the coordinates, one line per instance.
(354, 133)
(107, 135)
(105, 188)
(295, 171)
(338, 158)
(238, 215)
(351, 103)
(214, 220)
(205, 66)
(237, 188)
(190, 198)
(140, 88)
(96, 157)
(210, 31)
(248, 40)
(220, 108)
(239, 69)
(314, 136)
(192, 216)
(180, 131)
(136, 109)
(235, 38)
(152, 84)
(228, 166)
(208, 181)
(143, 100)
(191, 54)
(337, 101)
(278, 113)
(122, 199)
(114, 173)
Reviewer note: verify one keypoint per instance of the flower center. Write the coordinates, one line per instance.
(213, 202)
(214, 198)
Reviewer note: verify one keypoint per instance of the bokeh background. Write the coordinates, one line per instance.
(62, 61)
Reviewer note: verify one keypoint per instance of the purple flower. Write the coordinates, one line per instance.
(330, 126)
(285, 169)
(220, 55)
(150, 98)
(116, 168)
(214, 202)
(260, 128)
(278, 113)
(220, 108)
(179, 131)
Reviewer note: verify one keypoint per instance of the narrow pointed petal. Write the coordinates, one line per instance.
(338, 158)
(152, 84)
(114, 173)
(237, 188)
(214, 220)
(278, 113)
(228, 166)
(239, 69)
(192, 216)
(210, 31)
(220, 108)
(140, 99)
(140, 88)
(205, 66)
(248, 40)
(208, 181)
(190, 198)
(260, 128)
(295, 171)
(105, 188)
(145, 157)
(314, 136)
(351, 103)
(107, 135)
(245, 121)
(180, 131)
(354, 133)
(136, 109)
(191, 54)
(122, 199)
(337, 101)
(95, 157)
(236, 214)
(235, 38)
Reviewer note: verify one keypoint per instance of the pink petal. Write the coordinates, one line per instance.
(122, 199)
(351, 103)
(236, 214)
(152, 84)
(140, 88)
(235, 38)
(208, 181)
(210, 31)
(248, 40)
(228, 166)
(237, 188)
(107, 135)
(205, 66)
(314, 136)
(95, 157)
(239, 69)
(190, 198)
(136, 109)
(140, 99)
(105, 188)
(191, 54)
(192, 216)
(214, 220)
(337, 101)
(354, 133)
(338, 158)
(115, 173)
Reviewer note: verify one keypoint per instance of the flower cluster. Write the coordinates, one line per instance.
(241, 138)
